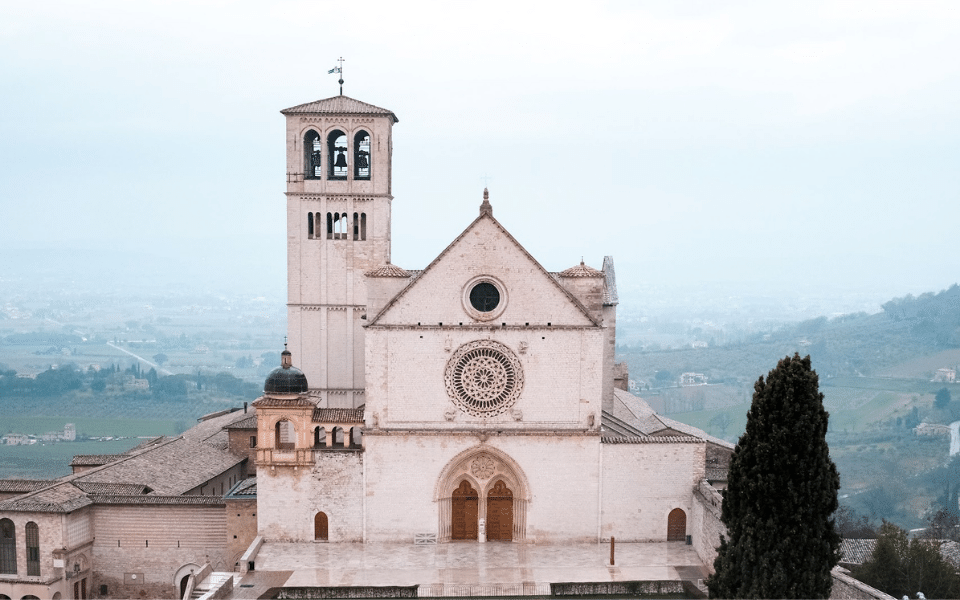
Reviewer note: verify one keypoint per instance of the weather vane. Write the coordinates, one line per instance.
(339, 70)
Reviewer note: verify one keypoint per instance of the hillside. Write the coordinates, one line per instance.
(877, 375)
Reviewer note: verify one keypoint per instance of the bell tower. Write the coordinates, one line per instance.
(339, 157)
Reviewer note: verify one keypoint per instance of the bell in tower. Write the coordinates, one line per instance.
(339, 157)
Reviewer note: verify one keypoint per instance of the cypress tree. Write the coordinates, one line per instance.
(781, 494)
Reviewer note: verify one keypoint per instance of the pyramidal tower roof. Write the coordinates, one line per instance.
(339, 105)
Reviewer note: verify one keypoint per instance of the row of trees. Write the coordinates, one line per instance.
(114, 379)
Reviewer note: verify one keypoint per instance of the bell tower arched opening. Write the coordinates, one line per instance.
(313, 155)
(337, 151)
(361, 155)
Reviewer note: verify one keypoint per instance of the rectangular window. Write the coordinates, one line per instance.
(253, 441)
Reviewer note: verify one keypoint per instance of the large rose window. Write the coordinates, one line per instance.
(484, 378)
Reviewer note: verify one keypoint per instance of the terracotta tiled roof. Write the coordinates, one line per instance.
(856, 551)
(172, 468)
(387, 270)
(581, 270)
(250, 422)
(338, 415)
(94, 460)
(339, 105)
(716, 474)
(24, 485)
(148, 499)
(266, 402)
(244, 490)
(62, 498)
(650, 439)
(123, 489)
(635, 411)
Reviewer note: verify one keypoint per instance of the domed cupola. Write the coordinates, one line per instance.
(586, 284)
(286, 379)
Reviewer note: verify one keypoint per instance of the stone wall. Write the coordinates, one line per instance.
(241, 519)
(643, 482)
(706, 524)
(289, 498)
(139, 548)
(561, 389)
(558, 475)
(846, 587)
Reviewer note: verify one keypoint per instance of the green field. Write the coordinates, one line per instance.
(52, 460)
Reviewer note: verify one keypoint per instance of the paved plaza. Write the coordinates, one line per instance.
(461, 569)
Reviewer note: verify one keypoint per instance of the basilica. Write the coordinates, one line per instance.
(478, 397)
(474, 400)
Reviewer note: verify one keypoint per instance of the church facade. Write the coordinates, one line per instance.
(475, 399)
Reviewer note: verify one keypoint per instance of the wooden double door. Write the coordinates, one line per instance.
(466, 512)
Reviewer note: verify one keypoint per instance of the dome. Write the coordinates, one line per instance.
(581, 270)
(285, 379)
(387, 270)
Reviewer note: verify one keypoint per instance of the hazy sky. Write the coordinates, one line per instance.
(704, 141)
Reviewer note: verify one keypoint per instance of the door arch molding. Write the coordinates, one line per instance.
(482, 467)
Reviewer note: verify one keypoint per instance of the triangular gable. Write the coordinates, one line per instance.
(485, 248)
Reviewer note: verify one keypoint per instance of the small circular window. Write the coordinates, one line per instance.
(484, 296)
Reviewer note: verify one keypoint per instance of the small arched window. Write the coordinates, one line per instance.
(338, 437)
(363, 226)
(310, 225)
(337, 151)
(285, 435)
(313, 155)
(33, 549)
(361, 155)
(329, 226)
(8, 547)
(320, 526)
(338, 226)
(356, 226)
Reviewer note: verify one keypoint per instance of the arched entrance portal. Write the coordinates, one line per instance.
(500, 512)
(482, 484)
(465, 509)
(676, 526)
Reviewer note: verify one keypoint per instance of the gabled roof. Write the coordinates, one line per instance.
(58, 498)
(175, 467)
(635, 412)
(94, 460)
(485, 215)
(23, 486)
(339, 105)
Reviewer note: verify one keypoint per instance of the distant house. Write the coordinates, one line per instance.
(16, 439)
(945, 376)
(687, 379)
(932, 429)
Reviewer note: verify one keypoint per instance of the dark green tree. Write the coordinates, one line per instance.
(942, 399)
(781, 494)
(902, 567)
